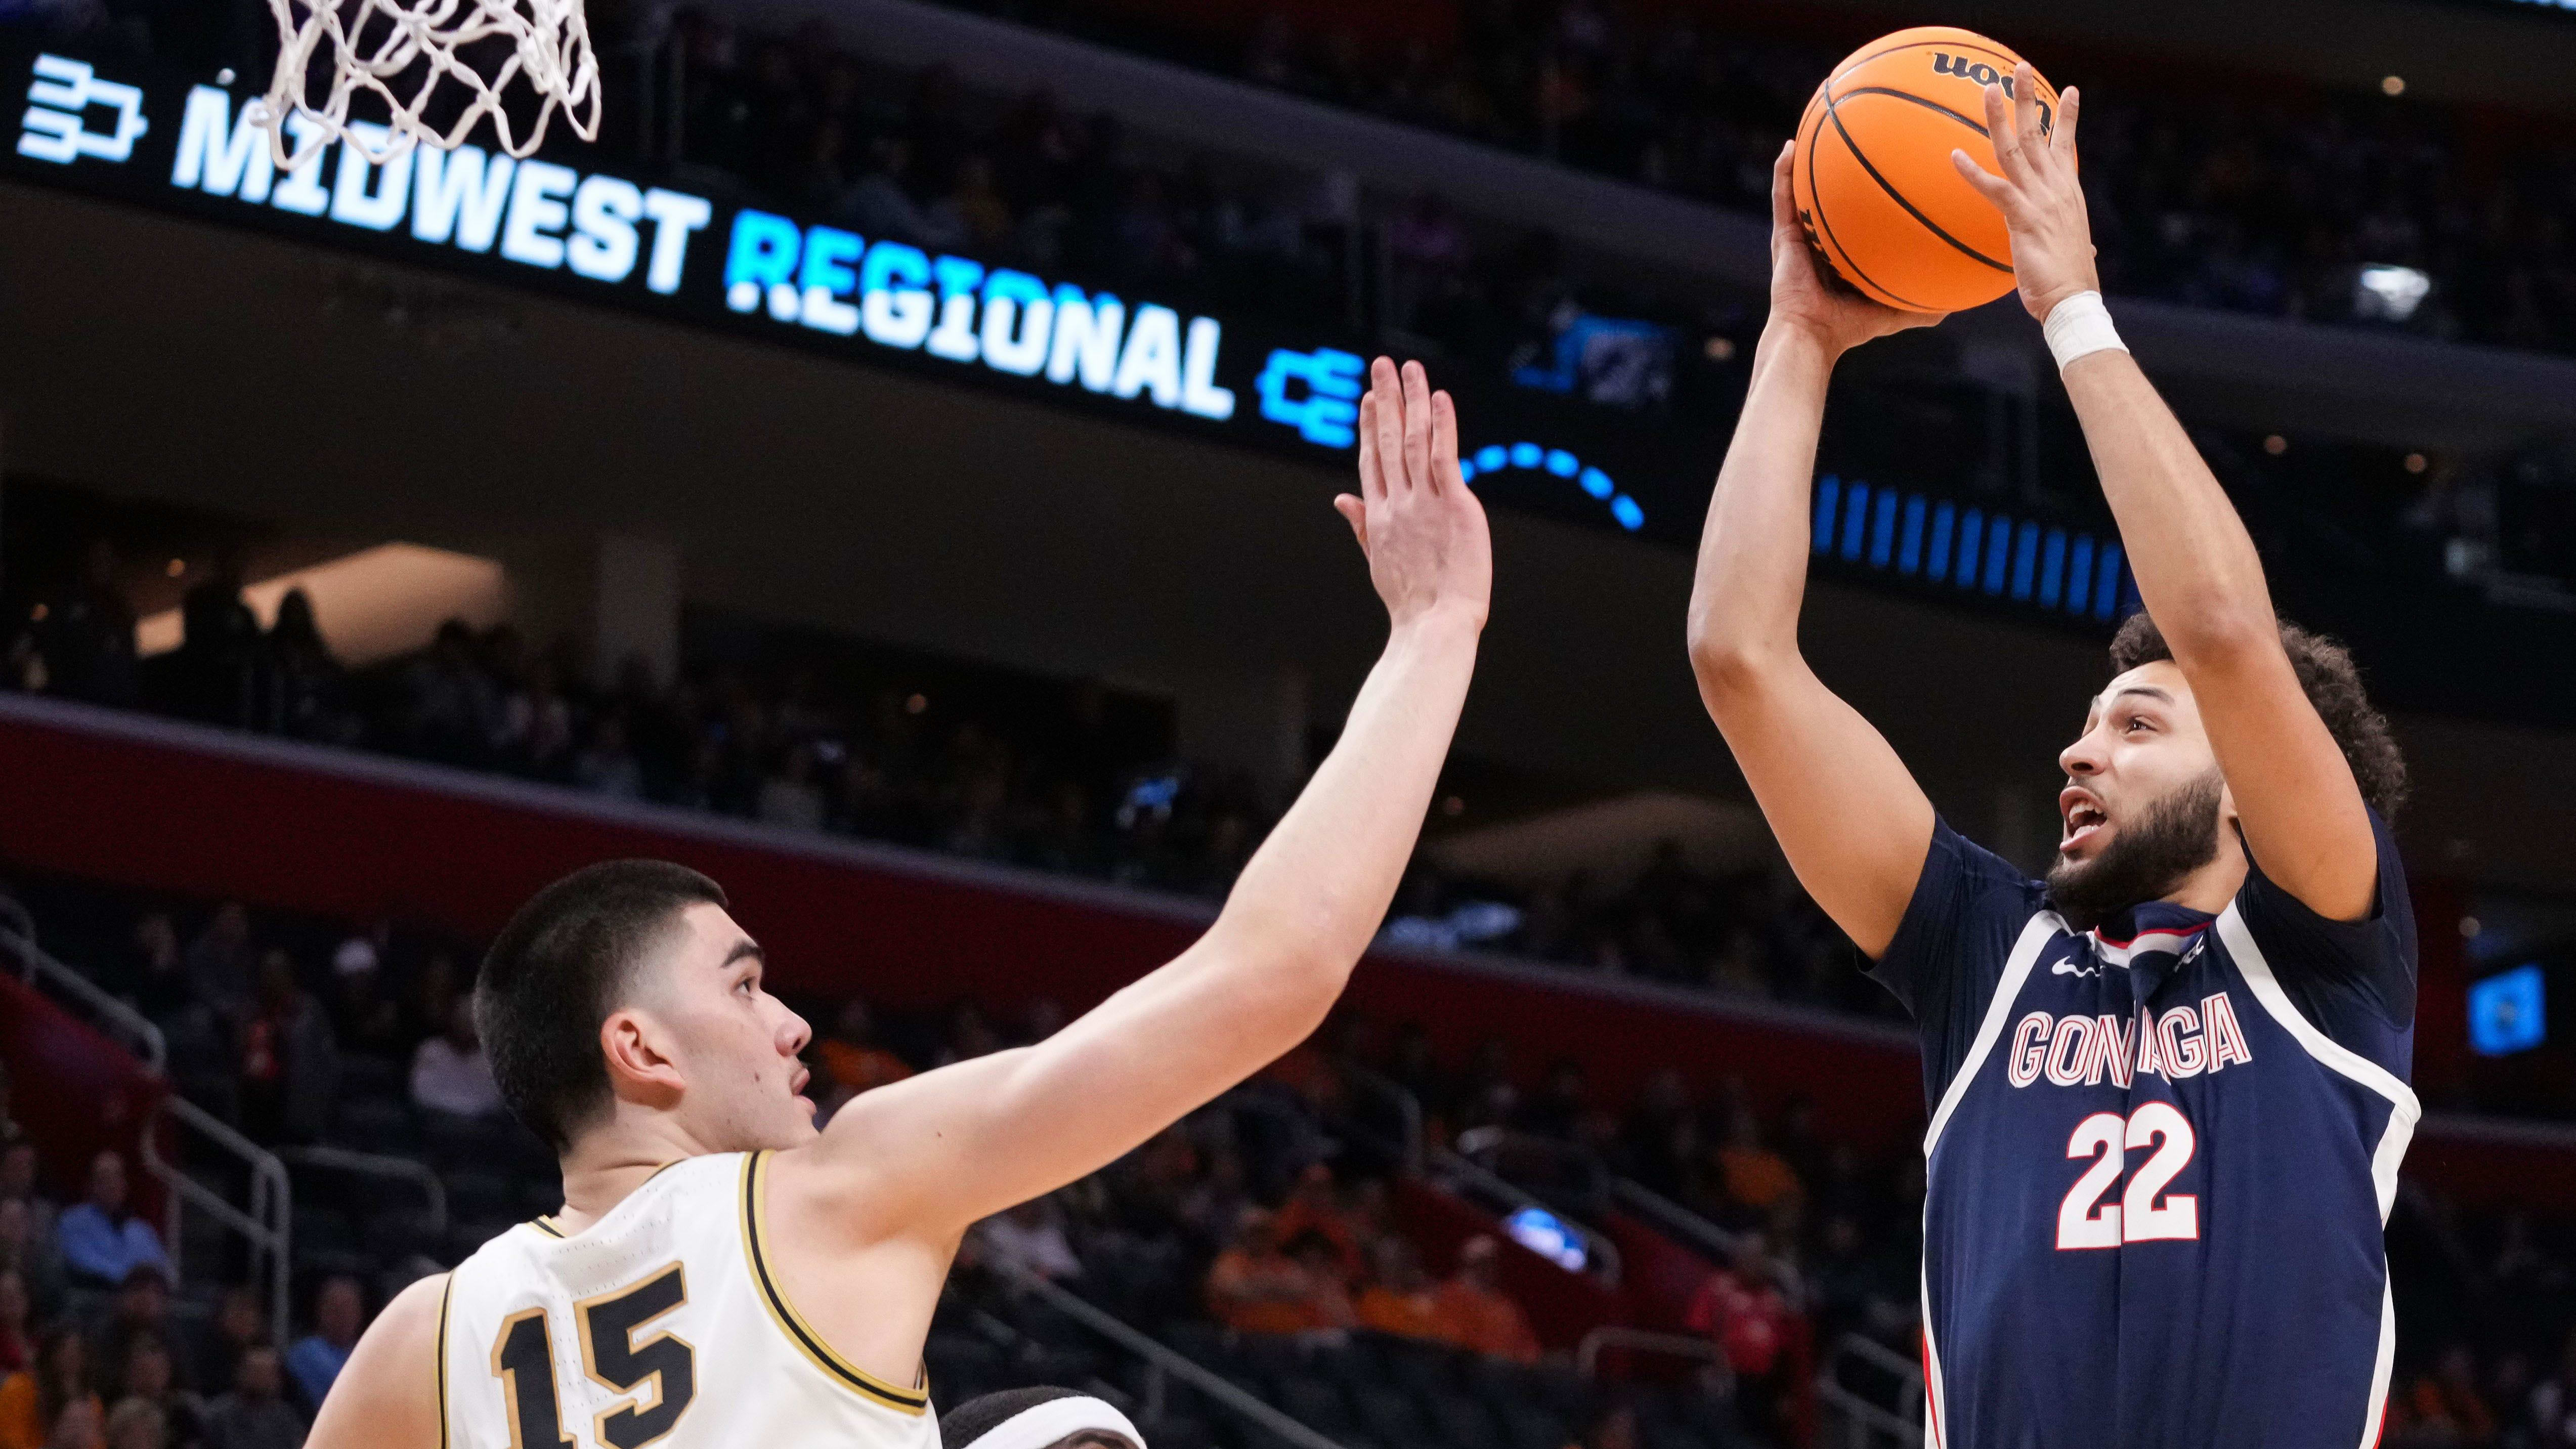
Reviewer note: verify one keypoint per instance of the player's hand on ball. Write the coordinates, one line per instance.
(1800, 296)
(2039, 193)
(1423, 531)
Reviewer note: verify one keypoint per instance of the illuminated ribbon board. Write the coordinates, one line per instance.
(672, 249)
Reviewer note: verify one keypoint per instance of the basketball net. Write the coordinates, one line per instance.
(406, 53)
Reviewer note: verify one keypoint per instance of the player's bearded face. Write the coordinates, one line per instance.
(2151, 853)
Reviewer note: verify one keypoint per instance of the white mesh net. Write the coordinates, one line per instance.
(438, 67)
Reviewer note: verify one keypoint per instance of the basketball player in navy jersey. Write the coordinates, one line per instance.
(2167, 1085)
(723, 1274)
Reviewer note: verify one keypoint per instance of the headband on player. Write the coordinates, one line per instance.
(1032, 1419)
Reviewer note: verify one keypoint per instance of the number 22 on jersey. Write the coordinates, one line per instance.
(2085, 1221)
(663, 1366)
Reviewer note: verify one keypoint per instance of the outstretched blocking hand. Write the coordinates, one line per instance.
(1800, 297)
(1423, 531)
(2039, 193)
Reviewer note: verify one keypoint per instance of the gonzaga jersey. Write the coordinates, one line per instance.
(2161, 1155)
(662, 1324)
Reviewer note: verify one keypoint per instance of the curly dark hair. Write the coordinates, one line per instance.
(2333, 685)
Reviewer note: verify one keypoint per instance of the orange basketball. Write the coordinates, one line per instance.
(1874, 183)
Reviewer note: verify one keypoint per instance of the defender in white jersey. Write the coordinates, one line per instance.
(722, 1273)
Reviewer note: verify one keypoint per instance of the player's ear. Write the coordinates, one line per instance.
(640, 1066)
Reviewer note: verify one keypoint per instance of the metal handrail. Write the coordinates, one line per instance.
(1408, 1109)
(1664, 1215)
(1587, 1353)
(1671, 1217)
(1219, 1389)
(1600, 1253)
(377, 1164)
(1870, 1422)
(1477, 1142)
(269, 1220)
(19, 939)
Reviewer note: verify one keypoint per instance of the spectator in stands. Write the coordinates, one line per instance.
(17, 1348)
(1852, 1286)
(290, 1063)
(451, 704)
(851, 1055)
(102, 1239)
(1314, 1207)
(1558, 1107)
(1214, 1206)
(149, 1376)
(253, 1413)
(2443, 1408)
(1759, 1181)
(219, 647)
(535, 733)
(1401, 1299)
(789, 795)
(236, 1327)
(1029, 1239)
(219, 962)
(10, 1131)
(1256, 1287)
(970, 1034)
(1477, 1315)
(35, 1400)
(155, 978)
(2553, 1402)
(315, 1360)
(1743, 1311)
(87, 638)
(136, 1423)
(306, 695)
(449, 1074)
(137, 1316)
(31, 1255)
(607, 765)
(1328, 1294)
(364, 1018)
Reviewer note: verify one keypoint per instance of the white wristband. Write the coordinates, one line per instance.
(2078, 327)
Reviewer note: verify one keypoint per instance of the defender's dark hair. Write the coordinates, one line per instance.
(556, 972)
(2333, 686)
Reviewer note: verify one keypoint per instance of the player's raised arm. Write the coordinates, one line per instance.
(927, 1156)
(1850, 817)
(2197, 571)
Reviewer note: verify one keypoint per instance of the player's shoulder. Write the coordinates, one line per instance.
(411, 1320)
(388, 1394)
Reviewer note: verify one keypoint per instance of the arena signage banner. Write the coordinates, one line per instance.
(127, 130)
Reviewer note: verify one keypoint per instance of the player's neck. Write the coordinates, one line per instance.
(2210, 888)
(614, 1159)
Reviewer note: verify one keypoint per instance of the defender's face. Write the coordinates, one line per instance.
(2142, 741)
(734, 1044)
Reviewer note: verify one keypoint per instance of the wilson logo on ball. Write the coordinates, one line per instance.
(1986, 75)
(1966, 69)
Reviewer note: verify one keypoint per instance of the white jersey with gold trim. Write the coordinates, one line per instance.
(659, 1324)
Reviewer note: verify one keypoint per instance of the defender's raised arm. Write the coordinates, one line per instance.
(2197, 571)
(1850, 817)
(925, 1157)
